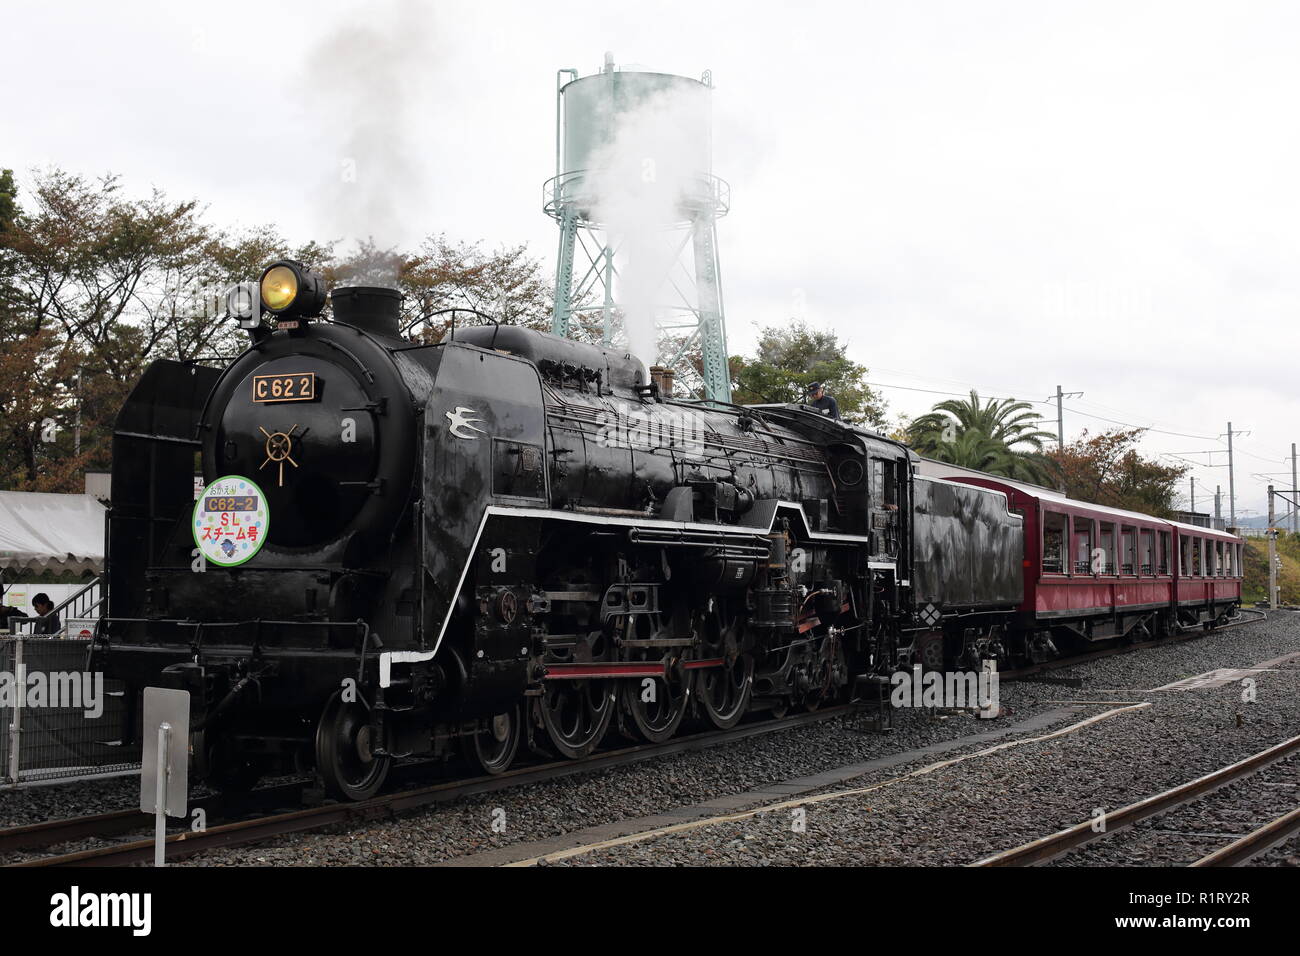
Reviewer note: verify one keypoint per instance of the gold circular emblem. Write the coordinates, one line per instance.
(279, 446)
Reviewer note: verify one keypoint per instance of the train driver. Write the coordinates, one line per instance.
(824, 403)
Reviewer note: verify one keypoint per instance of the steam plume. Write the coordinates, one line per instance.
(640, 180)
(362, 84)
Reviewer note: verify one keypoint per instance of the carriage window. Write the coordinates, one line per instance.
(1237, 564)
(1198, 557)
(1163, 557)
(1108, 547)
(1083, 536)
(1128, 550)
(1218, 559)
(1148, 551)
(1053, 543)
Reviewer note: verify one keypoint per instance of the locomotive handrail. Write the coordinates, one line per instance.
(749, 409)
(453, 310)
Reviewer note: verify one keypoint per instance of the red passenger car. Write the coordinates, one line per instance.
(1097, 573)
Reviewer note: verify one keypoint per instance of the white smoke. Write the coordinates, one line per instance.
(362, 86)
(640, 178)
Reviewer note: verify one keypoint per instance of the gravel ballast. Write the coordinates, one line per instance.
(955, 815)
(966, 812)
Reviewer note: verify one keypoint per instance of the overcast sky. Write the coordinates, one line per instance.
(1006, 195)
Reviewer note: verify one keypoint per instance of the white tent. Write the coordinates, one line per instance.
(47, 532)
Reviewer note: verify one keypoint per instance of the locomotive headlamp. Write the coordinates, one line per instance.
(279, 288)
(289, 288)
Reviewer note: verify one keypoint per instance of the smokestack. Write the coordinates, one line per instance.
(663, 377)
(373, 309)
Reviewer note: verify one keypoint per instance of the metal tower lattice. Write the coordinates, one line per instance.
(690, 329)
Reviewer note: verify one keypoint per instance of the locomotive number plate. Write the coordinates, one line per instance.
(293, 387)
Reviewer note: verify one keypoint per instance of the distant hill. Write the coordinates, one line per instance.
(1254, 586)
(1254, 521)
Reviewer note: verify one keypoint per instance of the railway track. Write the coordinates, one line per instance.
(107, 826)
(52, 833)
(1057, 845)
(258, 829)
(1246, 848)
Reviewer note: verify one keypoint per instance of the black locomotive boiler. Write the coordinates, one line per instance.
(510, 539)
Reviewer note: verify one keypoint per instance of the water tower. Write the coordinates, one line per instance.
(637, 205)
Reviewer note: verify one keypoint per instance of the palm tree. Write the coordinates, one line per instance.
(998, 437)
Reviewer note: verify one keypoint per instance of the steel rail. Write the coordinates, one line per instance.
(117, 822)
(52, 833)
(1057, 844)
(1251, 845)
(256, 830)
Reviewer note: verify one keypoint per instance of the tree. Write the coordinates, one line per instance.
(37, 366)
(1106, 469)
(997, 436)
(88, 259)
(90, 274)
(95, 285)
(8, 200)
(507, 284)
(1004, 420)
(789, 358)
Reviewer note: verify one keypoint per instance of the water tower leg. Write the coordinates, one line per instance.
(564, 273)
(607, 312)
(713, 335)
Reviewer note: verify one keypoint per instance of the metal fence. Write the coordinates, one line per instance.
(58, 721)
(74, 613)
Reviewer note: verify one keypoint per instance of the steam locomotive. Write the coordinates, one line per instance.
(510, 540)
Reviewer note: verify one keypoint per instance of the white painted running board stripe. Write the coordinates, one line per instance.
(388, 658)
(553, 514)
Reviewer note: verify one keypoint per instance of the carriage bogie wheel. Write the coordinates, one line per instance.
(496, 742)
(345, 752)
